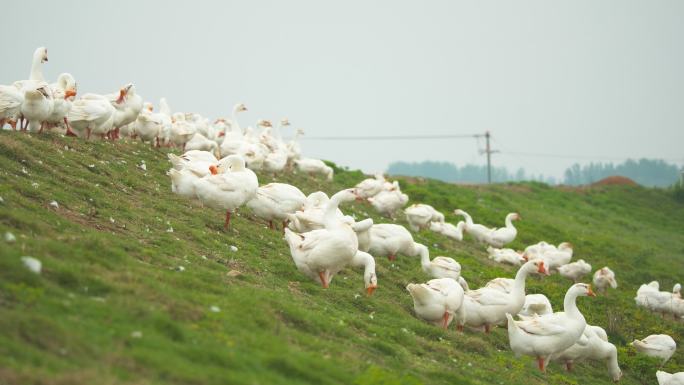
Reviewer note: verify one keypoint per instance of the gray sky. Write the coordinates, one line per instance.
(582, 78)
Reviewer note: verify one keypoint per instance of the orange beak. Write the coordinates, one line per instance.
(591, 292)
(525, 257)
(122, 93)
(542, 269)
(69, 93)
(371, 289)
(213, 169)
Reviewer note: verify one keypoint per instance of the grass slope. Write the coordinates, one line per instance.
(112, 307)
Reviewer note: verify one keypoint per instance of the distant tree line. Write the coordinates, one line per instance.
(647, 172)
(469, 173)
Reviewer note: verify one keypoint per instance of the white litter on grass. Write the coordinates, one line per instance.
(32, 264)
(180, 268)
(54, 204)
(111, 219)
(233, 249)
(23, 170)
(91, 166)
(143, 166)
(35, 184)
(169, 230)
(215, 309)
(9, 237)
(2, 200)
(137, 334)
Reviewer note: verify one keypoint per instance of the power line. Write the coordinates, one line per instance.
(393, 137)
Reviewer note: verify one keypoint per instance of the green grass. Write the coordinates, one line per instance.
(110, 274)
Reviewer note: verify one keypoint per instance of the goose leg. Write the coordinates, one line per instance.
(321, 275)
(285, 222)
(568, 366)
(270, 224)
(68, 128)
(487, 328)
(445, 320)
(540, 363)
(225, 225)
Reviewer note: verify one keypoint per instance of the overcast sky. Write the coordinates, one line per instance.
(591, 80)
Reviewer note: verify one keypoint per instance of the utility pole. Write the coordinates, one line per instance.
(488, 150)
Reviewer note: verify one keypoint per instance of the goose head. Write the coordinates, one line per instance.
(582, 290)
(284, 122)
(347, 195)
(240, 107)
(565, 246)
(264, 123)
(536, 266)
(41, 54)
(371, 284)
(124, 92)
(514, 216)
(148, 107)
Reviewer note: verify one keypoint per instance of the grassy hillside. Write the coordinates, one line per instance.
(113, 306)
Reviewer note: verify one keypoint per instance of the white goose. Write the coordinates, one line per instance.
(475, 230)
(487, 306)
(603, 279)
(36, 78)
(275, 201)
(554, 257)
(320, 254)
(420, 215)
(508, 256)
(181, 131)
(189, 167)
(665, 378)
(365, 260)
(11, 99)
(230, 186)
(575, 270)
(389, 240)
(656, 345)
(314, 167)
(233, 138)
(362, 230)
(438, 267)
(542, 336)
(127, 106)
(594, 346)
(276, 159)
(536, 304)
(371, 186)
(311, 216)
(148, 125)
(448, 230)
(645, 292)
(91, 114)
(202, 143)
(63, 91)
(501, 236)
(438, 301)
(37, 107)
(294, 150)
(388, 201)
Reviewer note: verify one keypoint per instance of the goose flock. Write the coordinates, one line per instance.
(217, 167)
